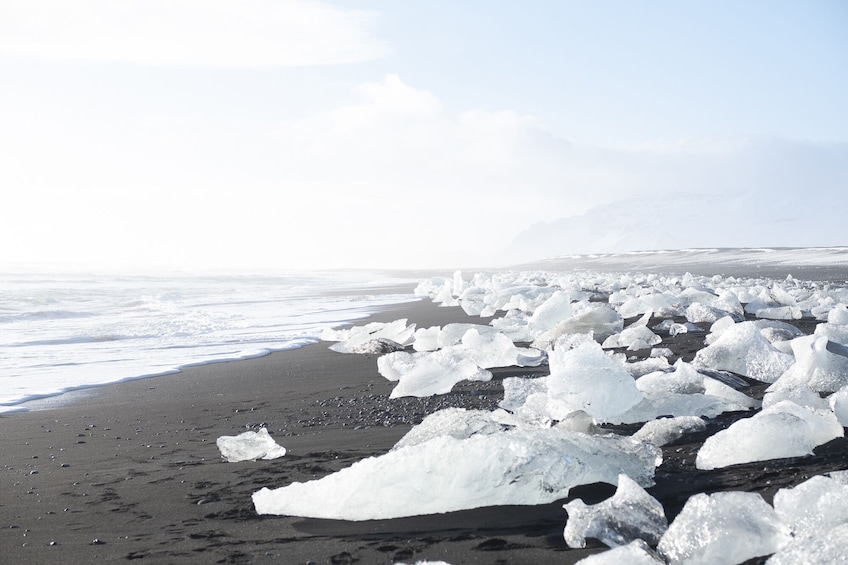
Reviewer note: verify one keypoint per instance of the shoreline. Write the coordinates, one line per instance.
(131, 471)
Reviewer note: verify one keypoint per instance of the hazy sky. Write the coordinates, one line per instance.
(291, 134)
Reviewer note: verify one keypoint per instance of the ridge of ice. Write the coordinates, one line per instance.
(444, 474)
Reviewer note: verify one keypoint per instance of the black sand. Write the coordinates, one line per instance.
(131, 471)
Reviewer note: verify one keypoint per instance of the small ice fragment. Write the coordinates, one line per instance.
(249, 446)
(666, 430)
(725, 527)
(628, 515)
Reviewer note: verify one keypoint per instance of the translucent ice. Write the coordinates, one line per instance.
(838, 315)
(457, 423)
(666, 430)
(631, 337)
(782, 430)
(817, 504)
(838, 402)
(628, 515)
(429, 373)
(725, 528)
(684, 380)
(599, 319)
(742, 349)
(634, 553)
(494, 349)
(816, 366)
(249, 446)
(826, 546)
(426, 339)
(585, 378)
(349, 340)
(444, 474)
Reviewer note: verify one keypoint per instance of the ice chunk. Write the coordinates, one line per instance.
(834, 332)
(816, 366)
(782, 430)
(426, 339)
(458, 423)
(656, 404)
(379, 346)
(554, 310)
(817, 504)
(780, 313)
(719, 389)
(452, 334)
(435, 372)
(628, 515)
(704, 314)
(725, 527)
(684, 380)
(742, 349)
(821, 547)
(662, 304)
(634, 553)
(775, 331)
(838, 402)
(838, 315)
(631, 337)
(801, 395)
(527, 399)
(349, 340)
(666, 430)
(444, 474)
(249, 446)
(494, 349)
(598, 319)
(585, 378)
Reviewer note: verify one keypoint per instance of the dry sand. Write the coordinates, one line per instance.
(131, 471)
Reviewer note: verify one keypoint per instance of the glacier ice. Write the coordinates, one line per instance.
(628, 515)
(725, 527)
(585, 378)
(742, 349)
(784, 429)
(249, 446)
(443, 474)
(818, 504)
(684, 380)
(633, 338)
(838, 402)
(666, 430)
(820, 365)
(352, 339)
(429, 373)
(458, 423)
(634, 553)
(820, 547)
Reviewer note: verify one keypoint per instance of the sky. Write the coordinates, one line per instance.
(296, 134)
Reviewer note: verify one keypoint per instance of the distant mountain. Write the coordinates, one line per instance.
(682, 221)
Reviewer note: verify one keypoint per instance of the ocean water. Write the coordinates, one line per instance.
(66, 332)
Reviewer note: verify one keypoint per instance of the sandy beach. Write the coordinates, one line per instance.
(131, 471)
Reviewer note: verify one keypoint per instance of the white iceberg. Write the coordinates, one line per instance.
(445, 474)
(249, 446)
(819, 364)
(355, 339)
(430, 373)
(628, 515)
(725, 528)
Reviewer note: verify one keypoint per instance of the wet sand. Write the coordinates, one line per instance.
(131, 471)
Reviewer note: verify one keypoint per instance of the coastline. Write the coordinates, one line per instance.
(131, 471)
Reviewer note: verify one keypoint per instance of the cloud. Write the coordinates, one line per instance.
(189, 33)
(394, 177)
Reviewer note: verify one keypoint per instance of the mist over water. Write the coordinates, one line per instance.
(65, 332)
